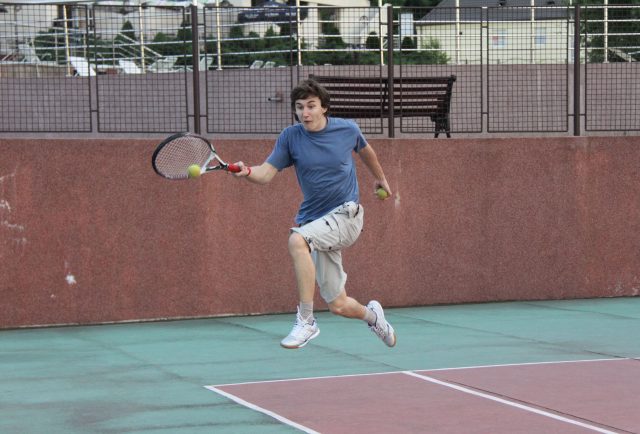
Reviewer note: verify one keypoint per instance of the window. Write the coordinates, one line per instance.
(541, 36)
(499, 39)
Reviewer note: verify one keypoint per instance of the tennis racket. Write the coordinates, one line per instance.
(181, 155)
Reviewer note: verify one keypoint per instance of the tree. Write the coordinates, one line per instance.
(329, 42)
(49, 45)
(234, 49)
(127, 30)
(184, 44)
(421, 3)
(622, 36)
(167, 45)
(123, 42)
(429, 54)
(373, 41)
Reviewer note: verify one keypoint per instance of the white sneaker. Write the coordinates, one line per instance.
(382, 328)
(301, 333)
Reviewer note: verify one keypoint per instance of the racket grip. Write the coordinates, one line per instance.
(234, 168)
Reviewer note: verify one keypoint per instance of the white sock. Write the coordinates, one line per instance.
(306, 311)
(370, 316)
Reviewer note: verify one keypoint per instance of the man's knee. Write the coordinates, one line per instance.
(297, 244)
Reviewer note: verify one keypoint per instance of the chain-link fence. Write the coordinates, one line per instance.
(612, 55)
(135, 68)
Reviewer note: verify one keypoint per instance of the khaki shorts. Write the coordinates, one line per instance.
(326, 237)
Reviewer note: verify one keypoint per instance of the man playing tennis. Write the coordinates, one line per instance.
(330, 217)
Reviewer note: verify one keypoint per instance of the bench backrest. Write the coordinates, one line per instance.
(368, 97)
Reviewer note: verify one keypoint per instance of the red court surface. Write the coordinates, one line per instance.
(561, 397)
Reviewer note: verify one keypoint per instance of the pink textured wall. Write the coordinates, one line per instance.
(88, 233)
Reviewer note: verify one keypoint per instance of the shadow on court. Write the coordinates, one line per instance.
(151, 377)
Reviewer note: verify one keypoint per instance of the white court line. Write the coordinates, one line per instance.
(510, 403)
(426, 370)
(423, 377)
(308, 378)
(612, 359)
(276, 416)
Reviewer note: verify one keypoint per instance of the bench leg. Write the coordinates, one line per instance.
(442, 125)
(446, 126)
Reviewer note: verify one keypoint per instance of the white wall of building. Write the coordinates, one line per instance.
(502, 42)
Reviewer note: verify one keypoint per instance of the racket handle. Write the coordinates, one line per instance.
(234, 168)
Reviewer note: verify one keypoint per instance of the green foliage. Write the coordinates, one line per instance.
(421, 3)
(164, 44)
(125, 41)
(243, 50)
(127, 31)
(373, 41)
(278, 45)
(167, 45)
(183, 46)
(331, 40)
(430, 54)
(408, 43)
(184, 33)
(49, 46)
(621, 35)
(98, 48)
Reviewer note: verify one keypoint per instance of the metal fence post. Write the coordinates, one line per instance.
(576, 72)
(390, 63)
(195, 64)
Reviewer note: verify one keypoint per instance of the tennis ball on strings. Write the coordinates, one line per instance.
(193, 171)
(382, 193)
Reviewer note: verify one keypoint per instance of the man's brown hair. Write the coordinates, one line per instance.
(308, 88)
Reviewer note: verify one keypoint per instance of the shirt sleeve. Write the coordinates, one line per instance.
(361, 142)
(280, 157)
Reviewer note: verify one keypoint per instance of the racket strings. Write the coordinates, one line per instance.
(175, 157)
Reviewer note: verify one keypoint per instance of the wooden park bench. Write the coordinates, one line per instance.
(369, 97)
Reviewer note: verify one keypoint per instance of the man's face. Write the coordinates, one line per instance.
(311, 113)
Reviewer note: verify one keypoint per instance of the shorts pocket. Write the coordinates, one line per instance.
(331, 240)
(349, 229)
(322, 234)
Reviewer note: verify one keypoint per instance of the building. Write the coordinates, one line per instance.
(500, 31)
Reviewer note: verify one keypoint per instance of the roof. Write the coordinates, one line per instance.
(497, 10)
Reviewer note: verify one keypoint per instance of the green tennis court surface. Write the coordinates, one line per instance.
(151, 377)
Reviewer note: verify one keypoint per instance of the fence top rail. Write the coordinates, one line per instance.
(336, 79)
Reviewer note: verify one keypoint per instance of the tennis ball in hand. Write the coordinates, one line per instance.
(382, 193)
(193, 171)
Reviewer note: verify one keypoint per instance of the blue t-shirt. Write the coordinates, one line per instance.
(324, 164)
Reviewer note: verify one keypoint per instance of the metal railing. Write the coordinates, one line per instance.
(89, 68)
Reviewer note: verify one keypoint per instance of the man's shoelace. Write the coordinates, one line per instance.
(298, 326)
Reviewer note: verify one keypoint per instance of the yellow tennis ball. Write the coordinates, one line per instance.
(382, 193)
(193, 171)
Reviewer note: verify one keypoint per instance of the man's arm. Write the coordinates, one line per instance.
(261, 174)
(370, 159)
